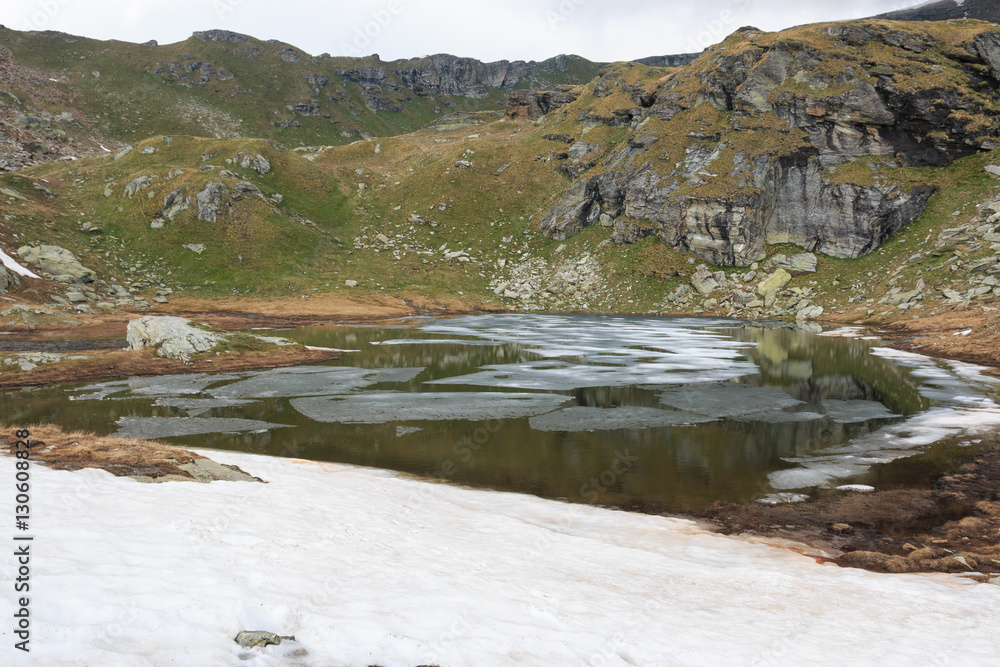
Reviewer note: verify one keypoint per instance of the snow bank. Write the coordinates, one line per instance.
(12, 264)
(367, 567)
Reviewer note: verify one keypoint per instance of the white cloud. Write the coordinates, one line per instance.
(489, 30)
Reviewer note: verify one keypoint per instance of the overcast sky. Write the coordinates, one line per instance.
(601, 30)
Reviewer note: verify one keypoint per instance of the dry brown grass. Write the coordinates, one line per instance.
(122, 457)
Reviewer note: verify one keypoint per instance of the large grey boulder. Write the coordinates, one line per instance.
(59, 263)
(210, 201)
(257, 162)
(704, 281)
(175, 337)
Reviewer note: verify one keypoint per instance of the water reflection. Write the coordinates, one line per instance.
(624, 411)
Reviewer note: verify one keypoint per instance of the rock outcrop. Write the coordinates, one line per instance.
(533, 104)
(174, 337)
(58, 263)
(788, 143)
(210, 201)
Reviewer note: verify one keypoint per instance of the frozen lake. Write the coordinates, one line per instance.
(633, 412)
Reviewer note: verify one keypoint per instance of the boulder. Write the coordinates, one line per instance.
(704, 281)
(796, 265)
(138, 184)
(210, 201)
(254, 638)
(257, 162)
(773, 284)
(57, 262)
(7, 279)
(174, 203)
(175, 337)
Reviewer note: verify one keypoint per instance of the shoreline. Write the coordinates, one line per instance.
(965, 336)
(952, 527)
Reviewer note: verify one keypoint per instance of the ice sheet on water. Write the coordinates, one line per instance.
(312, 381)
(438, 341)
(172, 427)
(385, 407)
(611, 419)
(727, 399)
(560, 376)
(163, 385)
(199, 406)
(856, 412)
(780, 417)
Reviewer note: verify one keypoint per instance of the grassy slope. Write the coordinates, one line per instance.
(354, 193)
(129, 102)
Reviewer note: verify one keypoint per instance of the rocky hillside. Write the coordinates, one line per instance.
(846, 168)
(817, 136)
(67, 95)
(946, 10)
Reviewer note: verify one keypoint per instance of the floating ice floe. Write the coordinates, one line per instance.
(199, 406)
(153, 387)
(961, 407)
(150, 428)
(727, 399)
(610, 419)
(856, 412)
(611, 351)
(384, 407)
(312, 381)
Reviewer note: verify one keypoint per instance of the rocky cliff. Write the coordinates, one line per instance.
(815, 136)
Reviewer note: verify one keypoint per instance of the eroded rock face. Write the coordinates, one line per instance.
(724, 194)
(175, 337)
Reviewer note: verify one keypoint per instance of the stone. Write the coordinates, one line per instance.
(138, 184)
(156, 224)
(773, 284)
(210, 201)
(463, 164)
(148, 150)
(256, 638)
(351, 283)
(903, 297)
(796, 265)
(809, 313)
(195, 247)
(704, 281)
(175, 337)
(7, 279)
(123, 153)
(76, 297)
(992, 169)
(57, 262)
(258, 162)
(174, 203)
